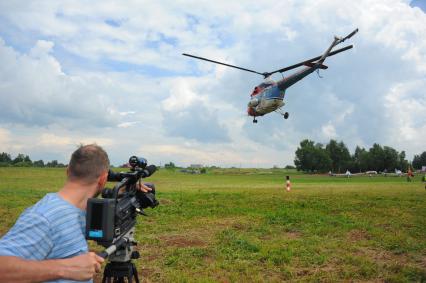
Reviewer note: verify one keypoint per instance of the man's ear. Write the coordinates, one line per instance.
(103, 179)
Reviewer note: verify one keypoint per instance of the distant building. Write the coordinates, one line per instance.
(423, 168)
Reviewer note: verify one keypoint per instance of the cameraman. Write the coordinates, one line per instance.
(47, 242)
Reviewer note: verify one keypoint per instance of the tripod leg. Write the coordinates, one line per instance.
(135, 273)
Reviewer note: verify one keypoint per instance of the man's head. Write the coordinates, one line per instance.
(88, 163)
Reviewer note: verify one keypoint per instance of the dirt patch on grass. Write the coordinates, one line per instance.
(239, 226)
(165, 201)
(182, 241)
(292, 235)
(146, 272)
(423, 262)
(358, 235)
(382, 256)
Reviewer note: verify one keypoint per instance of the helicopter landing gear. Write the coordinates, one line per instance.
(254, 120)
(285, 114)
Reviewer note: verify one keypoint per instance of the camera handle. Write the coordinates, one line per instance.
(113, 248)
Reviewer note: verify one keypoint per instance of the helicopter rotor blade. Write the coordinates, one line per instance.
(224, 64)
(308, 61)
(350, 35)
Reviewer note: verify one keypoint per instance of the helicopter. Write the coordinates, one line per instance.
(269, 96)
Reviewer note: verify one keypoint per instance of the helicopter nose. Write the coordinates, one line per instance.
(251, 112)
(254, 102)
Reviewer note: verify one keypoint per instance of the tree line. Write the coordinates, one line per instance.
(22, 160)
(335, 157)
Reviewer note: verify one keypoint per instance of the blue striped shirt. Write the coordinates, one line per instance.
(51, 229)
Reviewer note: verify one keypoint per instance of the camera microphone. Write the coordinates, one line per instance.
(115, 177)
(148, 171)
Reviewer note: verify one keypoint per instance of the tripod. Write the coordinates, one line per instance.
(118, 272)
(121, 266)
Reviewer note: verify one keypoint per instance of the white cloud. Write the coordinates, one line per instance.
(329, 131)
(128, 124)
(34, 91)
(4, 138)
(406, 106)
(113, 70)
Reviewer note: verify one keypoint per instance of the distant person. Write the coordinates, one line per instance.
(47, 242)
(409, 174)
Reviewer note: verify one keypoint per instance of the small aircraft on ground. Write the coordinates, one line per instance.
(269, 95)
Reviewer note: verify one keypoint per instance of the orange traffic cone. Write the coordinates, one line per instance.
(288, 183)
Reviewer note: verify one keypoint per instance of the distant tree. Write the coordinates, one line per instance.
(322, 161)
(22, 164)
(203, 171)
(5, 164)
(38, 163)
(19, 158)
(360, 160)
(402, 161)
(339, 154)
(305, 156)
(53, 163)
(22, 160)
(419, 160)
(312, 157)
(5, 157)
(289, 167)
(376, 158)
(390, 158)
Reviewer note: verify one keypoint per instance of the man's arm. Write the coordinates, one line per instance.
(82, 267)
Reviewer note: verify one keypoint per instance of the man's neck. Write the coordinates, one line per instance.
(77, 194)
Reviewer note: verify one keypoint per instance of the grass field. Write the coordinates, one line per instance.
(242, 226)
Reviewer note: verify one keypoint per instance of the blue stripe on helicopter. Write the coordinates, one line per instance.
(273, 93)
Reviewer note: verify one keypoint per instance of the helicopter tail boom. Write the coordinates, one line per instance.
(312, 65)
(336, 41)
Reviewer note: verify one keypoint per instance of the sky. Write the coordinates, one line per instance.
(112, 73)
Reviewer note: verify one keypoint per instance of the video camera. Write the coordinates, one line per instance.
(110, 220)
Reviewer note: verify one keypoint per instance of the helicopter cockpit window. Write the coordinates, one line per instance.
(266, 84)
(256, 90)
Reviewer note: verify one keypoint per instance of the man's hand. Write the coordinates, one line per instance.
(143, 188)
(16, 269)
(82, 267)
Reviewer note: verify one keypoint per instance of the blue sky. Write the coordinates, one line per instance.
(112, 73)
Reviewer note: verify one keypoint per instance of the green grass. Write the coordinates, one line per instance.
(242, 226)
